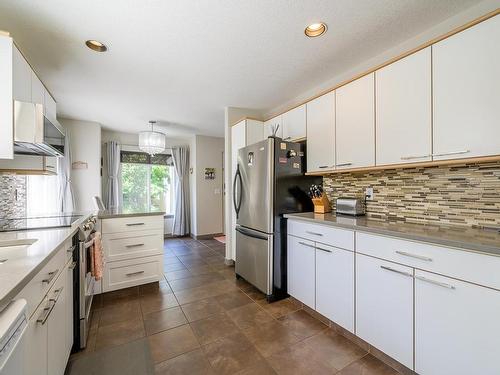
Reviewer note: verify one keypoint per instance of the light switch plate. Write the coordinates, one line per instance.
(369, 193)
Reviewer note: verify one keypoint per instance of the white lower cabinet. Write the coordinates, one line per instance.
(456, 327)
(69, 307)
(384, 307)
(335, 285)
(35, 360)
(56, 328)
(301, 270)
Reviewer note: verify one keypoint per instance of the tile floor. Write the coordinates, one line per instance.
(201, 320)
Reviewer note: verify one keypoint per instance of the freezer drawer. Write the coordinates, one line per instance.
(254, 258)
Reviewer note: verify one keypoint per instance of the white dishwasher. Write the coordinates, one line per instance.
(13, 323)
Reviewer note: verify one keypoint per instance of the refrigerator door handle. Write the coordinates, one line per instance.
(252, 234)
(237, 176)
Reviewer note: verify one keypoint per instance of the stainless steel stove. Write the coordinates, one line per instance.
(41, 222)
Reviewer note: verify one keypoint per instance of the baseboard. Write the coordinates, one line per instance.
(228, 262)
(206, 236)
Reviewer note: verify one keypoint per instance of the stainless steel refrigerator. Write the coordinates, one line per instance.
(269, 182)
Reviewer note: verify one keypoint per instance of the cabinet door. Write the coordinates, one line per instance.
(403, 101)
(294, 123)
(254, 131)
(37, 90)
(238, 140)
(50, 164)
(301, 269)
(56, 327)
(69, 307)
(355, 123)
(50, 106)
(276, 121)
(35, 360)
(321, 133)
(21, 77)
(6, 107)
(457, 330)
(335, 285)
(384, 307)
(466, 73)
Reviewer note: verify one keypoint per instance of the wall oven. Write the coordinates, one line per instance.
(83, 283)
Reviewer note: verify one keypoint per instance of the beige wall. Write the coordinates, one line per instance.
(207, 205)
(86, 147)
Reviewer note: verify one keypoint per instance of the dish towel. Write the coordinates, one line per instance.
(97, 257)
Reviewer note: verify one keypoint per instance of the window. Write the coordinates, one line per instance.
(147, 182)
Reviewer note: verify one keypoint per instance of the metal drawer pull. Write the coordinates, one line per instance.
(287, 138)
(439, 283)
(415, 157)
(57, 293)
(134, 273)
(452, 153)
(343, 164)
(135, 245)
(51, 276)
(325, 250)
(2, 261)
(314, 233)
(421, 257)
(306, 244)
(396, 271)
(323, 166)
(71, 249)
(50, 167)
(45, 314)
(73, 265)
(134, 224)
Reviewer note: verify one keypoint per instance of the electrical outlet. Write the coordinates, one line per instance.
(369, 193)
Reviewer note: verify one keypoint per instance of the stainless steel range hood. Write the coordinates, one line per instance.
(34, 134)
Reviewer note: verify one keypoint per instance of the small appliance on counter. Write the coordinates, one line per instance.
(350, 206)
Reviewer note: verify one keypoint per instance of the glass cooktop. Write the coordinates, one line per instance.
(37, 222)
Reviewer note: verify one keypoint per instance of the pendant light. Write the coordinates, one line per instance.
(151, 141)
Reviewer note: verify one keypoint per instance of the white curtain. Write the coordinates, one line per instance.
(180, 155)
(66, 195)
(112, 197)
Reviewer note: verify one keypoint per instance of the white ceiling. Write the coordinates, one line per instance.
(181, 62)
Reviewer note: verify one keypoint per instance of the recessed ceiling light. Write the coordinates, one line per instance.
(315, 29)
(97, 46)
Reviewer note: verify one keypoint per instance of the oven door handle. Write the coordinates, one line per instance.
(86, 245)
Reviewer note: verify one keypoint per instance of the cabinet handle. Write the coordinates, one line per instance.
(135, 245)
(134, 224)
(2, 261)
(421, 257)
(57, 294)
(323, 166)
(439, 283)
(396, 271)
(314, 233)
(287, 138)
(51, 277)
(306, 244)
(415, 157)
(71, 249)
(73, 265)
(325, 250)
(134, 273)
(50, 167)
(452, 153)
(45, 314)
(343, 164)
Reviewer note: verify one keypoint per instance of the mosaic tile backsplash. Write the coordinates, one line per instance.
(467, 194)
(12, 187)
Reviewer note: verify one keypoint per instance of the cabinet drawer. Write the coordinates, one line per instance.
(127, 273)
(38, 287)
(120, 246)
(477, 268)
(321, 233)
(127, 224)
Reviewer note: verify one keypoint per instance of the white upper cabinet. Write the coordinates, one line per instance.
(466, 92)
(321, 133)
(50, 106)
(268, 127)
(37, 90)
(294, 123)
(21, 75)
(6, 107)
(254, 131)
(403, 110)
(355, 123)
(456, 326)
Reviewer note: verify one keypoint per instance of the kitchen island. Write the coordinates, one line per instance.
(132, 241)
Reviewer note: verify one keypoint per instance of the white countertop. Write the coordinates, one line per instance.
(25, 262)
